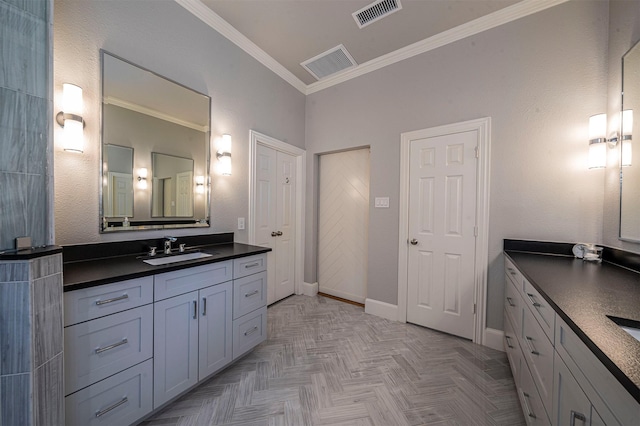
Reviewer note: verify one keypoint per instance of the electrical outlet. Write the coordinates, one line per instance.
(381, 203)
(241, 223)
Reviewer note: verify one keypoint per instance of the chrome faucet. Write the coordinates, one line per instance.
(167, 244)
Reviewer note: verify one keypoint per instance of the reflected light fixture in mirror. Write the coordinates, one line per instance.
(224, 155)
(627, 129)
(70, 118)
(142, 178)
(597, 141)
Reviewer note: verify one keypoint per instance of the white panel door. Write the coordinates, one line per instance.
(442, 219)
(184, 191)
(274, 218)
(343, 223)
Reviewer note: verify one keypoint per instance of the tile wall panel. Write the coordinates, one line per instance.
(36, 134)
(16, 399)
(12, 127)
(15, 328)
(48, 393)
(14, 271)
(47, 319)
(45, 266)
(37, 8)
(12, 208)
(36, 208)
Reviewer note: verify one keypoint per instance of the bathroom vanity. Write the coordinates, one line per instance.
(137, 335)
(567, 326)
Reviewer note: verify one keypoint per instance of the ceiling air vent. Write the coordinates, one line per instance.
(376, 10)
(329, 62)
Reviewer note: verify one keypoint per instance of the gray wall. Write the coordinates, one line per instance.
(624, 32)
(25, 105)
(539, 79)
(167, 39)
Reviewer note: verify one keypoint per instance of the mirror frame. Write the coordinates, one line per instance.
(108, 226)
(636, 48)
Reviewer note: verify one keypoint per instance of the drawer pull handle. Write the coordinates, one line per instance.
(195, 309)
(532, 349)
(575, 415)
(204, 306)
(252, 265)
(251, 331)
(510, 300)
(113, 407)
(115, 299)
(508, 339)
(526, 403)
(115, 345)
(252, 293)
(511, 271)
(531, 297)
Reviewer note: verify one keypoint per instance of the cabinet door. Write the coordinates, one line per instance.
(215, 328)
(175, 365)
(570, 405)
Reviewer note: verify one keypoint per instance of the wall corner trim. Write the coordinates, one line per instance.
(309, 289)
(381, 309)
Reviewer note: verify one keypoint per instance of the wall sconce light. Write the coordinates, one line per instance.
(224, 155)
(142, 178)
(597, 141)
(70, 118)
(627, 129)
(199, 184)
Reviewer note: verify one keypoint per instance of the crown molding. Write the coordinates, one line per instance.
(484, 23)
(212, 19)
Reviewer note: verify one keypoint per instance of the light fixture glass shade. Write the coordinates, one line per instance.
(225, 143)
(73, 138)
(225, 164)
(72, 99)
(199, 184)
(627, 122)
(627, 153)
(597, 155)
(597, 126)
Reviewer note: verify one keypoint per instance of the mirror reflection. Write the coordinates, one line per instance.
(155, 150)
(630, 167)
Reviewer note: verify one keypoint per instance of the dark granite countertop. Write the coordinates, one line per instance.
(29, 253)
(92, 272)
(583, 294)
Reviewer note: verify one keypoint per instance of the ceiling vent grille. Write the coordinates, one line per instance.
(329, 62)
(375, 11)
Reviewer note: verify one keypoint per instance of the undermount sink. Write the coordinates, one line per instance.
(631, 327)
(176, 258)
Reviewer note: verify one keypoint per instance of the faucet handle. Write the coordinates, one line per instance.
(181, 247)
(152, 251)
(172, 239)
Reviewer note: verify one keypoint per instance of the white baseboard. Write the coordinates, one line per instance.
(493, 338)
(343, 295)
(381, 309)
(309, 289)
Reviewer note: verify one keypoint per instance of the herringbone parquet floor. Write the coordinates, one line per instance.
(328, 363)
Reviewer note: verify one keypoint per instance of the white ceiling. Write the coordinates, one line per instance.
(283, 33)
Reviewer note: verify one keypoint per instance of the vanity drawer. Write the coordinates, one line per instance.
(514, 274)
(249, 331)
(532, 407)
(249, 294)
(99, 348)
(249, 265)
(512, 349)
(513, 306)
(94, 302)
(121, 399)
(541, 309)
(183, 281)
(538, 352)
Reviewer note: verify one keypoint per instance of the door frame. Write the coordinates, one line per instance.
(256, 138)
(483, 127)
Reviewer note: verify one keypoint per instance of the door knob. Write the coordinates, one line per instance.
(274, 234)
(414, 242)
(279, 233)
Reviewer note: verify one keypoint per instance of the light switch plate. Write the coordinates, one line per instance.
(381, 203)
(23, 242)
(241, 223)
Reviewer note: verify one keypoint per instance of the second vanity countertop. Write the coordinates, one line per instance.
(584, 294)
(93, 272)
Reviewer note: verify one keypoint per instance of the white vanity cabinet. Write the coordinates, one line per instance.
(192, 331)
(108, 353)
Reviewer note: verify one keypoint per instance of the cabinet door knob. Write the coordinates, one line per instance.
(413, 242)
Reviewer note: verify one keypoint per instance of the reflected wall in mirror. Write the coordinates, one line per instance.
(630, 174)
(117, 181)
(156, 121)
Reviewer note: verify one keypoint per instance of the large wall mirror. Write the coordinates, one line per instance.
(630, 166)
(155, 150)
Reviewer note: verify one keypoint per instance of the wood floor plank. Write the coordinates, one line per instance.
(328, 363)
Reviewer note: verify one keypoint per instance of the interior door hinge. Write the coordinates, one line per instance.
(474, 308)
(477, 152)
(475, 231)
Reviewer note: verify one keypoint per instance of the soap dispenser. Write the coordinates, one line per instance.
(125, 222)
